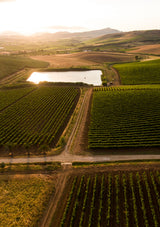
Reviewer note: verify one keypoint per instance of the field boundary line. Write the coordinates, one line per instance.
(48, 215)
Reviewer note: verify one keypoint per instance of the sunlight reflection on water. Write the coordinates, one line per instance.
(89, 77)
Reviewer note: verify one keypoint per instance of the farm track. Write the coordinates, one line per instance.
(61, 183)
(117, 81)
(77, 124)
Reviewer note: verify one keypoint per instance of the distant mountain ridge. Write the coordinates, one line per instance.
(63, 34)
(141, 35)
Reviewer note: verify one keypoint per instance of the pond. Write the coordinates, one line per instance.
(92, 77)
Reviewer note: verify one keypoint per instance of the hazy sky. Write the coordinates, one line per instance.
(29, 16)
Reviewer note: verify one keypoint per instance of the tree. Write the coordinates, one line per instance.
(2, 166)
(27, 148)
(43, 149)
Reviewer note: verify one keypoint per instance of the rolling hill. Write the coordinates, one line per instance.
(125, 41)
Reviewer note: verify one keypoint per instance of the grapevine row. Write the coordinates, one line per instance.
(125, 118)
(37, 118)
(116, 199)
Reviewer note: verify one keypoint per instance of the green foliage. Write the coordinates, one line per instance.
(2, 165)
(10, 96)
(68, 202)
(31, 167)
(10, 64)
(62, 141)
(139, 72)
(44, 148)
(125, 117)
(37, 118)
(117, 198)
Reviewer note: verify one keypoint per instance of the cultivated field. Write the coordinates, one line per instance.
(139, 72)
(111, 198)
(84, 59)
(34, 118)
(125, 117)
(10, 96)
(23, 199)
(10, 65)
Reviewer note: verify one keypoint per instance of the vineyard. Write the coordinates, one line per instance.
(10, 65)
(126, 198)
(139, 72)
(9, 96)
(125, 117)
(23, 199)
(37, 118)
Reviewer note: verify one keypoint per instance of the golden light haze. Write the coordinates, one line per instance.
(30, 16)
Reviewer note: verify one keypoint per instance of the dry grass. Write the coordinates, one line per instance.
(64, 60)
(23, 198)
(83, 59)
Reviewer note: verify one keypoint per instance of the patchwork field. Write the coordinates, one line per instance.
(23, 199)
(125, 117)
(139, 72)
(37, 118)
(117, 198)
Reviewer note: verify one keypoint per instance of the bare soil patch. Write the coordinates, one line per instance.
(147, 49)
(64, 60)
(83, 59)
(101, 57)
(81, 140)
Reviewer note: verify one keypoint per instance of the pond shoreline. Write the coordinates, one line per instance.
(90, 77)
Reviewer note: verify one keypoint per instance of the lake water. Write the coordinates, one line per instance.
(88, 77)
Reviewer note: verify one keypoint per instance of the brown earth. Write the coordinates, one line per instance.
(83, 59)
(81, 138)
(147, 49)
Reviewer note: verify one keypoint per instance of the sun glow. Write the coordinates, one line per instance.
(32, 16)
(38, 77)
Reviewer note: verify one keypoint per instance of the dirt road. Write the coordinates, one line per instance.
(61, 183)
(117, 80)
(69, 158)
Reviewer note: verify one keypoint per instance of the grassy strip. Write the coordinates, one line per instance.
(29, 167)
(147, 161)
(80, 68)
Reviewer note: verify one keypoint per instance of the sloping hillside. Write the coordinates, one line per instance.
(124, 41)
